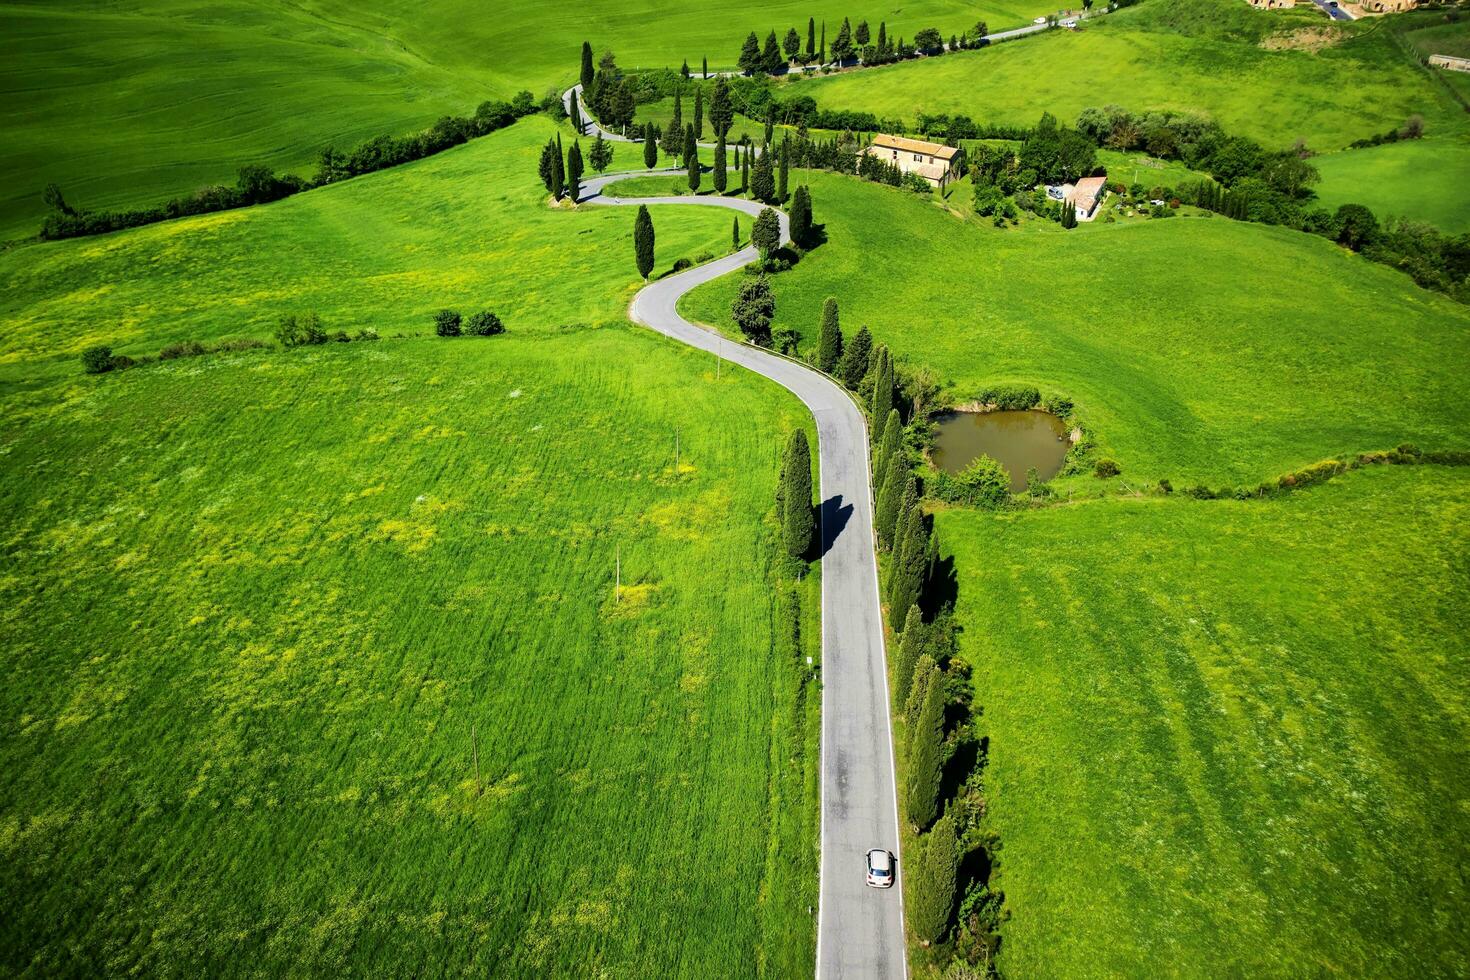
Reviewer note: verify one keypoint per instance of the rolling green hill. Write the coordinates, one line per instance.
(1423, 180)
(1227, 738)
(132, 103)
(257, 604)
(1189, 55)
(1195, 348)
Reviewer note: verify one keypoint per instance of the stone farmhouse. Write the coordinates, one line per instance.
(935, 162)
(1450, 62)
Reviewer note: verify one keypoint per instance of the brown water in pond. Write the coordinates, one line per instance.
(1018, 441)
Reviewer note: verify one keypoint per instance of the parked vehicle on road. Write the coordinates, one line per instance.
(880, 868)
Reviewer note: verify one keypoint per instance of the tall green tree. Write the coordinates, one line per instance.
(704, 68)
(926, 759)
(735, 235)
(685, 69)
(910, 557)
(745, 173)
(798, 521)
(721, 172)
(784, 178)
(601, 155)
(882, 385)
(890, 500)
(588, 74)
(691, 156)
(574, 171)
(925, 673)
(854, 362)
(698, 113)
(548, 164)
(822, 48)
(650, 146)
(842, 46)
(861, 36)
(811, 38)
(763, 181)
(575, 117)
(673, 144)
(791, 44)
(766, 233)
(934, 873)
(909, 648)
(643, 241)
(750, 55)
(721, 109)
(829, 339)
(770, 125)
(558, 173)
(754, 309)
(801, 216)
(890, 444)
(771, 60)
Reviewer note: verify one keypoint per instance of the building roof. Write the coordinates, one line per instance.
(914, 146)
(1088, 190)
(934, 171)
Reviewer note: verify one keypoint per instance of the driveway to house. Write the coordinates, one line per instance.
(860, 930)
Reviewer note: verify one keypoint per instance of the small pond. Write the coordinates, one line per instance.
(1018, 441)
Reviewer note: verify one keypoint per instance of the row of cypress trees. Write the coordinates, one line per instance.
(564, 179)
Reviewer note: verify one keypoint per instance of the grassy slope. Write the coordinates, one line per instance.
(466, 229)
(132, 103)
(1197, 55)
(1228, 738)
(1196, 348)
(1419, 179)
(254, 604)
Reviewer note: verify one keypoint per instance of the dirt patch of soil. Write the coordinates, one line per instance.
(1303, 39)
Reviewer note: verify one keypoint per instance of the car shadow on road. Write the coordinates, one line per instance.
(834, 517)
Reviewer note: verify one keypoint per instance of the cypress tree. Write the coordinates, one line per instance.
(698, 113)
(909, 649)
(882, 386)
(926, 743)
(721, 173)
(801, 215)
(601, 155)
(721, 109)
(691, 155)
(574, 171)
(558, 173)
(935, 869)
(650, 147)
(911, 555)
(925, 673)
(829, 340)
(676, 127)
(685, 70)
(890, 499)
(763, 182)
(587, 72)
(771, 60)
(785, 174)
(770, 128)
(890, 443)
(750, 55)
(704, 68)
(643, 241)
(575, 118)
(822, 51)
(745, 174)
(811, 38)
(854, 362)
(798, 521)
(548, 164)
(735, 235)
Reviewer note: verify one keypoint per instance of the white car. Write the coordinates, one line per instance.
(1039, 20)
(880, 868)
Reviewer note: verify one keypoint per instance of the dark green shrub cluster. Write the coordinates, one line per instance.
(100, 359)
(300, 330)
(1405, 454)
(1010, 397)
(1106, 468)
(984, 483)
(449, 323)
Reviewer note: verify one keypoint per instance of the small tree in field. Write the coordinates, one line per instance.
(766, 234)
(801, 216)
(97, 360)
(601, 154)
(720, 172)
(447, 323)
(484, 324)
(754, 309)
(643, 241)
(650, 147)
(829, 340)
(735, 235)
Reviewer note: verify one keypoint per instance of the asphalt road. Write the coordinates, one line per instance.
(860, 930)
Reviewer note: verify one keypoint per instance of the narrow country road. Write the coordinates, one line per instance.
(860, 930)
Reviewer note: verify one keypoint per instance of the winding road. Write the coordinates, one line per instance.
(860, 930)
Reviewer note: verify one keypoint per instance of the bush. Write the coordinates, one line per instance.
(484, 324)
(294, 331)
(984, 483)
(97, 360)
(447, 323)
(1011, 397)
(681, 264)
(1165, 486)
(366, 333)
(1106, 468)
(184, 348)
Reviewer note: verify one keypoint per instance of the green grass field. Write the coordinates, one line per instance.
(468, 229)
(1188, 55)
(257, 602)
(1419, 179)
(1195, 348)
(1228, 738)
(130, 104)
